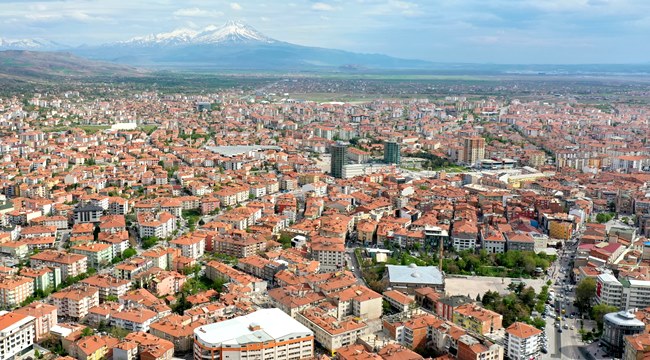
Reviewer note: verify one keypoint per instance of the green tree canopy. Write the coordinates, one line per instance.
(585, 293)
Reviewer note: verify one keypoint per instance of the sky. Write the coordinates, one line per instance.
(468, 31)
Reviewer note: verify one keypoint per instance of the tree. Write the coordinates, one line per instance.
(87, 332)
(96, 231)
(603, 218)
(385, 305)
(538, 323)
(128, 253)
(149, 241)
(528, 296)
(585, 293)
(599, 311)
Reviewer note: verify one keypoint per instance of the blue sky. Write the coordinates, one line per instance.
(477, 31)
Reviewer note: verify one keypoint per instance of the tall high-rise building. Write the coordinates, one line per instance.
(391, 152)
(474, 150)
(339, 153)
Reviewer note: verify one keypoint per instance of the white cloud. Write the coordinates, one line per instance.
(66, 15)
(393, 7)
(196, 12)
(319, 6)
(235, 6)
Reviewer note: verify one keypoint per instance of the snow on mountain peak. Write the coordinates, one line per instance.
(27, 44)
(231, 31)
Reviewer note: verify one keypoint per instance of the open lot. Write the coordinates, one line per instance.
(474, 285)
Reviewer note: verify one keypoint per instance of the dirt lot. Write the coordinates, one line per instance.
(473, 285)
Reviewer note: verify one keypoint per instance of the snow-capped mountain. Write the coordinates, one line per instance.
(230, 32)
(234, 45)
(28, 44)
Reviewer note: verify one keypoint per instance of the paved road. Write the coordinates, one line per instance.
(355, 264)
(564, 345)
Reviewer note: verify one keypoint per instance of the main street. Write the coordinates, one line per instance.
(564, 340)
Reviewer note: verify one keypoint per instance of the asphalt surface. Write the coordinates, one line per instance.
(565, 344)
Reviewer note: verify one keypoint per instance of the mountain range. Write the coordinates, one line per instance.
(237, 46)
(232, 46)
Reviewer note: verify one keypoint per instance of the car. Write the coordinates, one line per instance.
(544, 351)
(571, 327)
(565, 326)
(559, 330)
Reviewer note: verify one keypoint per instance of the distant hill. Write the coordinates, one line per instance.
(40, 65)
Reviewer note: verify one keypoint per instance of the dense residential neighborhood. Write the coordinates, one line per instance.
(246, 225)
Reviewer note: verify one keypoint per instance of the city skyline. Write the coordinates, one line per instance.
(468, 31)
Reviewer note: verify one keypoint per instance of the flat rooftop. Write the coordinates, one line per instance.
(261, 326)
(413, 274)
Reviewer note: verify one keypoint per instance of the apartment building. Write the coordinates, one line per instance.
(523, 342)
(294, 299)
(71, 265)
(14, 289)
(177, 329)
(45, 317)
(143, 346)
(95, 347)
(16, 334)
(161, 257)
(160, 225)
(477, 319)
(623, 293)
(108, 285)
(358, 301)
(74, 302)
(44, 278)
(216, 270)
(133, 319)
(240, 246)
(330, 332)
(98, 254)
(119, 241)
(637, 347)
(268, 334)
(330, 252)
(129, 268)
(470, 348)
(191, 245)
(398, 300)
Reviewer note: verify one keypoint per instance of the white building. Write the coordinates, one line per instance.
(609, 290)
(624, 294)
(522, 341)
(268, 334)
(16, 334)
